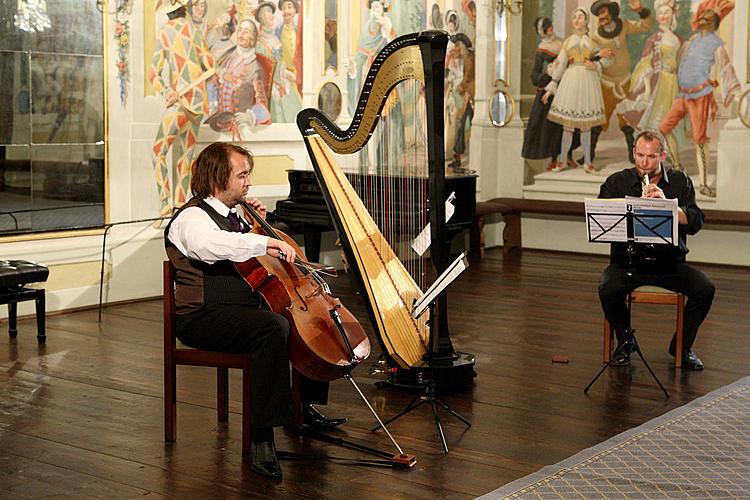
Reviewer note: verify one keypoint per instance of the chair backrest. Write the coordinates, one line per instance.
(188, 355)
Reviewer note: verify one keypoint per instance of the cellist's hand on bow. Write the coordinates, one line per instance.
(258, 206)
(280, 249)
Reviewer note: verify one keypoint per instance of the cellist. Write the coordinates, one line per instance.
(216, 309)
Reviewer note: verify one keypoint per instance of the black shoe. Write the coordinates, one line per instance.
(264, 460)
(622, 357)
(691, 361)
(314, 418)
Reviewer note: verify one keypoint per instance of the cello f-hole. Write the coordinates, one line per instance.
(304, 304)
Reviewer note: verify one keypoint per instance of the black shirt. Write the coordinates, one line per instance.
(675, 184)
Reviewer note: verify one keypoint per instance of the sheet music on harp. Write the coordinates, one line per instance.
(445, 279)
(422, 241)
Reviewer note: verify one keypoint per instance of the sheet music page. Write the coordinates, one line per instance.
(605, 221)
(656, 220)
(445, 279)
(422, 242)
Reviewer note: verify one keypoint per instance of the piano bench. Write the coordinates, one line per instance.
(14, 276)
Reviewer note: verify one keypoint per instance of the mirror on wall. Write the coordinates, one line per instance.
(329, 100)
(501, 108)
(502, 25)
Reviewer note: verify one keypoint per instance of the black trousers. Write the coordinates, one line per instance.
(680, 277)
(265, 334)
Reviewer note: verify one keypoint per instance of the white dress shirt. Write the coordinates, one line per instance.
(197, 236)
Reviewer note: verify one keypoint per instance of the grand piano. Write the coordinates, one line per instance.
(305, 210)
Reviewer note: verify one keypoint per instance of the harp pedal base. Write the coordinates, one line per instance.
(452, 376)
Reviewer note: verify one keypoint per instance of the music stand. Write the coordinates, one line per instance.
(633, 221)
(432, 358)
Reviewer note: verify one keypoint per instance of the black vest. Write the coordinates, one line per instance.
(198, 284)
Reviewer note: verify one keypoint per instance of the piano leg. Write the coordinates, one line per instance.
(311, 235)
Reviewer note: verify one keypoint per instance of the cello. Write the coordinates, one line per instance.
(326, 340)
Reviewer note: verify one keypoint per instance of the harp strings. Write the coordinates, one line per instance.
(390, 175)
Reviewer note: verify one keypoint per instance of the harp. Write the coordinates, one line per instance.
(377, 223)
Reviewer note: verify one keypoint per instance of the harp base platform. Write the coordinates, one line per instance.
(451, 376)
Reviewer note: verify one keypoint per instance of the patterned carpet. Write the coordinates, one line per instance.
(700, 450)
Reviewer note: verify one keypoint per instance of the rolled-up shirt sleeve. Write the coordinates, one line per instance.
(198, 237)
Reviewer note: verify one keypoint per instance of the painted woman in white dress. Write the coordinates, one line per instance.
(654, 81)
(575, 85)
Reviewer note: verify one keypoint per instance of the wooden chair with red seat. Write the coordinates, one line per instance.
(651, 295)
(222, 361)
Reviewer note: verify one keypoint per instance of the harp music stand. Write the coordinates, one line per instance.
(634, 221)
(431, 358)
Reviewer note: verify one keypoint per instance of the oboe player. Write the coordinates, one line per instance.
(660, 265)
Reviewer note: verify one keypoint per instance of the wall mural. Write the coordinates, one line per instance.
(331, 38)
(650, 64)
(230, 65)
(381, 21)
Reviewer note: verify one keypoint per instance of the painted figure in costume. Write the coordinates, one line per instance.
(182, 50)
(654, 81)
(375, 34)
(577, 102)
(612, 34)
(454, 74)
(289, 73)
(465, 53)
(695, 98)
(291, 43)
(219, 32)
(542, 137)
(286, 101)
(243, 84)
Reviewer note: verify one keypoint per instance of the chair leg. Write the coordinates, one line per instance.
(41, 335)
(12, 325)
(247, 409)
(222, 393)
(170, 401)
(297, 416)
(678, 332)
(608, 334)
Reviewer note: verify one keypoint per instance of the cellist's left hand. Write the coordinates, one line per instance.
(258, 206)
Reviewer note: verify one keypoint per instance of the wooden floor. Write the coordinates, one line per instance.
(82, 416)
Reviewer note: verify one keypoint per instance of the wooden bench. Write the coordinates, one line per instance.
(512, 208)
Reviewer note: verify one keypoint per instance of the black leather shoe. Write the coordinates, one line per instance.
(622, 357)
(264, 460)
(314, 418)
(691, 361)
